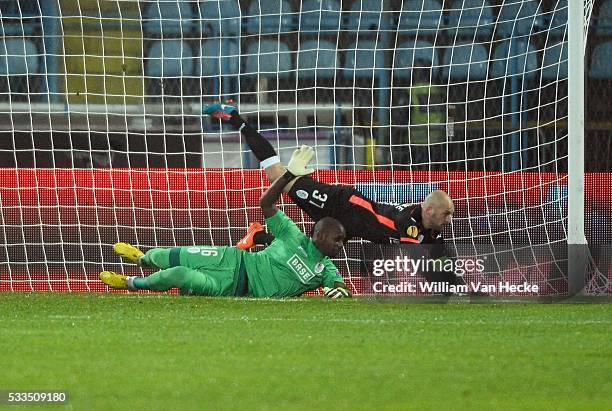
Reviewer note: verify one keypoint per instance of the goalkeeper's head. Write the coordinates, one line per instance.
(437, 210)
(328, 236)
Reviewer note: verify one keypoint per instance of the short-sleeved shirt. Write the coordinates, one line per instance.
(291, 265)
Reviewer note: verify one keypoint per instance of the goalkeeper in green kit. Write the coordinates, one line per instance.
(292, 265)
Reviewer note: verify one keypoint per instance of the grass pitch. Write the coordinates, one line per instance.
(171, 352)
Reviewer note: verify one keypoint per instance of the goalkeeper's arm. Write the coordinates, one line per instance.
(296, 168)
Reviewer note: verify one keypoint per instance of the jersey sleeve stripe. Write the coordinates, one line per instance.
(409, 240)
(366, 204)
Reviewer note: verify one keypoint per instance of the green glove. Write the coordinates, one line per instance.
(299, 160)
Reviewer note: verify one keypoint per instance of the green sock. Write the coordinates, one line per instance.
(140, 283)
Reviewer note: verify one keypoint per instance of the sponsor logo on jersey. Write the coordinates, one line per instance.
(300, 248)
(193, 250)
(300, 268)
(412, 231)
(301, 194)
(319, 268)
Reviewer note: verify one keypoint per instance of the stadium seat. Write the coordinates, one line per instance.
(170, 58)
(514, 58)
(19, 18)
(18, 57)
(360, 63)
(412, 54)
(268, 58)
(317, 55)
(367, 16)
(558, 19)
(220, 18)
(554, 62)
(420, 17)
(269, 16)
(600, 62)
(470, 19)
(519, 18)
(604, 20)
(465, 61)
(219, 57)
(167, 18)
(317, 15)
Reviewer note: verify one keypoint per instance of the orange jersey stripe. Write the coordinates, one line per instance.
(366, 204)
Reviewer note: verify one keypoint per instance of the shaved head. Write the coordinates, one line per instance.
(328, 224)
(437, 210)
(328, 236)
(437, 198)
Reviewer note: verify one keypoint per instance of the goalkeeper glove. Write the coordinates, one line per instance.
(336, 292)
(299, 160)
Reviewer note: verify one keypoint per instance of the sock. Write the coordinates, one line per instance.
(263, 238)
(261, 147)
(137, 283)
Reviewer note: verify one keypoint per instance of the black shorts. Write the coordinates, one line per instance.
(319, 199)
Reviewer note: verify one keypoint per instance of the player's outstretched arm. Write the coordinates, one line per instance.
(268, 199)
(296, 168)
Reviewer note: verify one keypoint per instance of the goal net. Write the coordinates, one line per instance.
(103, 138)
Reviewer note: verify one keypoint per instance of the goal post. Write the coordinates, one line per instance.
(577, 249)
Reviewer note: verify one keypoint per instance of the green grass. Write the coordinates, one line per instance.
(171, 352)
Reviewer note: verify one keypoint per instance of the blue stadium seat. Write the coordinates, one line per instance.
(220, 18)
(320, 55)
(19, 18)
(412, 54)
(18, 57)
(219, 57)
(361, 63)
(367, 15)
(274, 16)
(554, 62)
(420, 17)
(465, 61)
(170, 58)
(470, 18)
(600, 62)
(514, 58)
(318, 15)
(168, 18)
(268, 58)
(519, 18)
(558, 19)
(604, 20)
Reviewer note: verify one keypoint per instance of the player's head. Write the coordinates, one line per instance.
(328, 236)
(437, 210)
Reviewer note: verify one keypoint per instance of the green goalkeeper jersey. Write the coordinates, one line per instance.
(291, 265)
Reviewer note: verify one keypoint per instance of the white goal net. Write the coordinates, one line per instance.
(103, 139)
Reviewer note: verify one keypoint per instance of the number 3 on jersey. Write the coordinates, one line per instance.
(320, 199)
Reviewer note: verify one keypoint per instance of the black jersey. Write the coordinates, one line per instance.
(380, 223)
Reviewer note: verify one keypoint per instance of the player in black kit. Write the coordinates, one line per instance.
(376, 222)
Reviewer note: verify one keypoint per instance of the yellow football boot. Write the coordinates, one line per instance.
(114, 280)
(128, 252)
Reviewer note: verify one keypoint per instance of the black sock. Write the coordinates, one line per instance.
(263, 238)
(261, 147)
